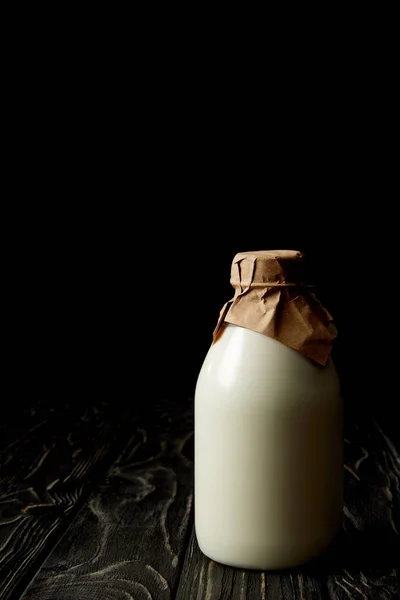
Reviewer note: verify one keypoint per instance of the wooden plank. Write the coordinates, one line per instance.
(367, 563)
(128, 540)
(204, 579)
(49, 459)
(364, 562)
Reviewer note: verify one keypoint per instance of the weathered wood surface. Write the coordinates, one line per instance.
(129, 539)
(365, 561)
(133, 536)
(49, 458)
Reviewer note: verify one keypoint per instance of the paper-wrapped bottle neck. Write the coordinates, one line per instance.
(255, 284)
(281, 268)
(273, 298)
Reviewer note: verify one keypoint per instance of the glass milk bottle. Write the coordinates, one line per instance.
(268, 422)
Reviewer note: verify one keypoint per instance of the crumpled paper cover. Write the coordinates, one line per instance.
(272, 298)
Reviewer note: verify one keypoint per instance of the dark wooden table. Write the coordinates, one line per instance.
(97, 503)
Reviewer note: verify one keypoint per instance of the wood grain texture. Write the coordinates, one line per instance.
(128, 541)
(49, 459)
(130, 538)
(204, 579)
(363, 563)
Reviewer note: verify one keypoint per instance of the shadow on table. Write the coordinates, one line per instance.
(373, 550)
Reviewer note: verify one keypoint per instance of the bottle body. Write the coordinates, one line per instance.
(268, 453)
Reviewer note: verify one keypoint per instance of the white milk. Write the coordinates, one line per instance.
(268, 453)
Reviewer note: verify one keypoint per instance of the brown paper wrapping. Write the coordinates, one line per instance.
(272, 298)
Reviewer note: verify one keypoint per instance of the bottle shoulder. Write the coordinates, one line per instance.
(243, 362)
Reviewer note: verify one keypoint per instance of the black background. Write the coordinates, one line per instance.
(124, 218)
(120, 301)
(132, 177)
